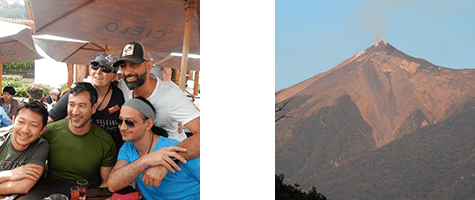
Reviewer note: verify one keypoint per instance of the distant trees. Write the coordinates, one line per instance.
(14, 10)
(288, 192)
(22, 65)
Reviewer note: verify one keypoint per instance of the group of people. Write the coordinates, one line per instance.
(110, 132)
(9, 105)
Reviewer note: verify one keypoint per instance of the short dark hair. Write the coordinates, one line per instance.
(80, 87)
(35, 106)
(36, 92)
(10, 90)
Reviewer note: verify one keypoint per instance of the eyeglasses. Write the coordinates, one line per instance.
(104, 69)
(128, 122)
(34, 101)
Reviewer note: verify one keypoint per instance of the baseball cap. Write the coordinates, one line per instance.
(107, 60)
(133, 52)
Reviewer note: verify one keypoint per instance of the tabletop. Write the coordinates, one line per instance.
(46, 187)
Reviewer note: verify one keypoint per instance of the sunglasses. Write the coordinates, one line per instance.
(128, 122)
(96, 66)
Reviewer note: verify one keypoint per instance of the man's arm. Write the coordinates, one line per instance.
(154, 174)
(125, 173)
(105, 172)
(192, 144)
(21, 179)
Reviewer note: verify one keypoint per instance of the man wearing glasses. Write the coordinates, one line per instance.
(146, 147)
(80, 149)
(22, 152)
(171, 104)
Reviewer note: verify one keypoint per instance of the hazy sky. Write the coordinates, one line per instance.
(314, 36)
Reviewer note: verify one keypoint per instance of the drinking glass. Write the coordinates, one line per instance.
(74, 193)
(56, 197)
(82, 184)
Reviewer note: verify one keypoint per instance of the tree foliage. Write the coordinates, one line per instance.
(23, 65)
(288, 192)
(14, 11)
(21, 88)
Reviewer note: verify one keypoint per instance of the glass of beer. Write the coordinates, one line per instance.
(82, 185)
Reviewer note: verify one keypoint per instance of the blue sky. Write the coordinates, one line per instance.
(314, 36)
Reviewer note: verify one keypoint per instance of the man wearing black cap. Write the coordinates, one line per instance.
(171, 104)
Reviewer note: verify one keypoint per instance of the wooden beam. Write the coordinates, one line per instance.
(81, 72)
(70, 75)
(28, 9)
(197, 85)
(176, 78)
(186, 47)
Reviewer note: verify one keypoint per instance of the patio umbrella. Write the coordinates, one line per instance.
(77, 51)
(158, 25)
(16, 43)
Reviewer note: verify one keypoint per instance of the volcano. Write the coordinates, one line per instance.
(368, 101)
(387, 86)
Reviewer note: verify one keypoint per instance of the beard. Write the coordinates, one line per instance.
(79, 123)
(140, 80)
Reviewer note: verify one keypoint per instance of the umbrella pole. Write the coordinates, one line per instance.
(186, 47)
(1, 75)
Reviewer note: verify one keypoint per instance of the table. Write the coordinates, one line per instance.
(46, 187)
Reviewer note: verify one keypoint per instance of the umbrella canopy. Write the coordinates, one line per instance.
(158, 25)
(77, 51)
(16, 43)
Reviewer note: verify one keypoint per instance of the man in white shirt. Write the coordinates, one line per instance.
(171, 104)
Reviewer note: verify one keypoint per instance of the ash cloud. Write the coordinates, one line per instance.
(375, 15)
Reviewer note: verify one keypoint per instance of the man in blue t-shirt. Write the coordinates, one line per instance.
(144, 147)
(4, 119)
